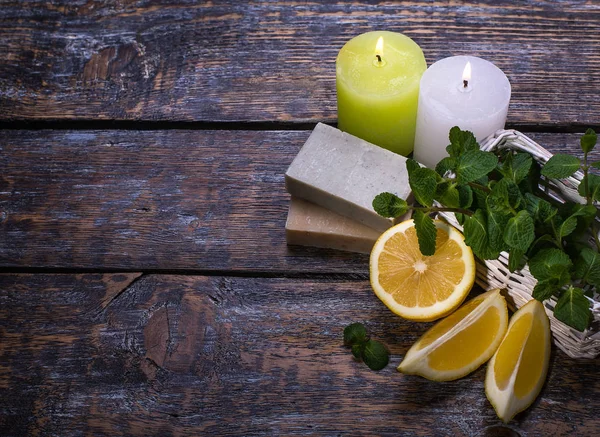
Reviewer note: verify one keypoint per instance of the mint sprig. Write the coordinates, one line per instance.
(498, 200)
(373, 353)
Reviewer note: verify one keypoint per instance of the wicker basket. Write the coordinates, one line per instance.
(519, 284)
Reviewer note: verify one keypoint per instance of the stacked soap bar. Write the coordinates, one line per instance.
(333, 181)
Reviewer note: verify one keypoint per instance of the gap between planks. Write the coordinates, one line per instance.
(299, 125)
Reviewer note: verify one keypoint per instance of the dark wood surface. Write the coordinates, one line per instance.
(160, 200)
(216, 356)
(227, 60)
(146, 286)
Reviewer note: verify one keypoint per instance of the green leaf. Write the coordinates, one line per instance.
(474, 164)
(447, 194)
(549, 264)
(567, 227)
(496, 224)
(465, 196)
(561, 166)
(389, 205)
(375, 355)
(426, 232)
(423, 182)
(460, 142)
(520, 231)
(596, 164)
(587, 266)
(411, 165)
(573, 308)
(516, 167)
(515, 259)
(531, 184)
(357, 350)
(548, 239)
(539, 209)
(588, 140)
(475, 230)
(544, 290)
(505, 196)
(447, 164)
(593, 184)
(354, 334)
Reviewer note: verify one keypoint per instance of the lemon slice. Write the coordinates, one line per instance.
(460, 343)
(419, 287)
(517, 371)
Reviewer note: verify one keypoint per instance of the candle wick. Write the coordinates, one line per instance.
(378, 58)
(465, 83)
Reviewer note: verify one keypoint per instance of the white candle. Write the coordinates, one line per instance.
(450, 95)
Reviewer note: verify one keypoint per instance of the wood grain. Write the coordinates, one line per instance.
(226, 60)
(169, 200)
(194, 355)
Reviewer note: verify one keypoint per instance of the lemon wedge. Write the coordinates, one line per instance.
(460, 343)
(419, 287)
(517, 371)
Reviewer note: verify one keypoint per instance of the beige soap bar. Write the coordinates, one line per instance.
(343, 173)
(312, 225)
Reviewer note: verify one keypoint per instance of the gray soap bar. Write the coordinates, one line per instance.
(343, 173)
(312, 225)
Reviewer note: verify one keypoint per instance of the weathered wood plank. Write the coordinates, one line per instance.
(209, 200)
(226, 60)
(185, 355)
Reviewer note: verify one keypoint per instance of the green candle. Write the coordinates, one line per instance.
(377, 79)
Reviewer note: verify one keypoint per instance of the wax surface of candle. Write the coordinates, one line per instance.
(377, 96)
(445, 101)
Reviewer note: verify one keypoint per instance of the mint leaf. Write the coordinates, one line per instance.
(544, 290)
(496, 224)
(411, 165)
(423, 182)
(465, 196)
(520, 231)
(447, 164)
(474, 164)
(549, 264)
(354, 334)
(567, 227)
(588, 140)
(447, 194)
(561, 166)
(534, 206)
(573, 308)
(540, 209)
(593, 182)
(426, 232)
(587, 266)
(357, 350)
(460, 142)
(389, 205)
(515, 259)
(505, 196)
(516, 167)
(375, 355)
(596, 164)
(475, 230)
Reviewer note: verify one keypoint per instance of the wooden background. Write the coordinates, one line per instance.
(146, 287)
